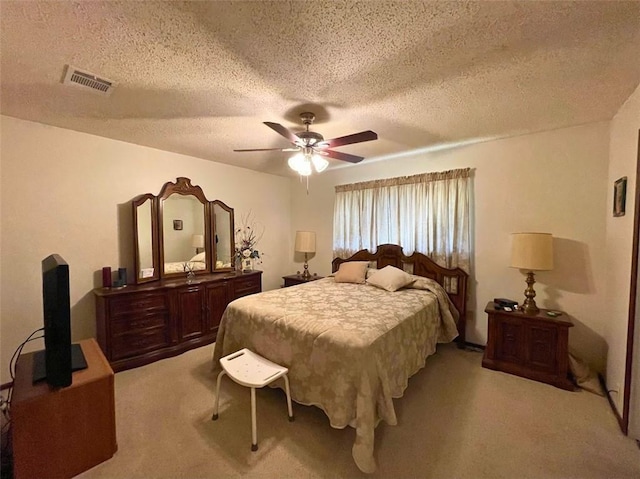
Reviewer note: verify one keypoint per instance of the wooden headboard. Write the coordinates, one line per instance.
(454, 281)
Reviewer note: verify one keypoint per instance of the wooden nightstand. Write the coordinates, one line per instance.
(63, 432)
(531, 346)
(294, 279)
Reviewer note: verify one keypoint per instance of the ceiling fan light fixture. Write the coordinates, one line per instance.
(305, 168)
(319, 163)
(296, 161)
(307, 142)
(300, 163)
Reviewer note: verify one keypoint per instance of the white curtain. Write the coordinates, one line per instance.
(427, 213)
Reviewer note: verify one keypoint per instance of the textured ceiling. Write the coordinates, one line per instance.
(199, 78)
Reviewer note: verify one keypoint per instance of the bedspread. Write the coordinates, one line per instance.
(181, 266)
(350, 348)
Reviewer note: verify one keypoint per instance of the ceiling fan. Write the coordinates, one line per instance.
(312, 147)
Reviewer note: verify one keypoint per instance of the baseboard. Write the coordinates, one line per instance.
(611, 403)
(473, 346)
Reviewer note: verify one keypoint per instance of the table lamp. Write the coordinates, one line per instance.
(197, 241)
(531, 252)
(306, 243)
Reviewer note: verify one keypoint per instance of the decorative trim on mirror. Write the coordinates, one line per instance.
(212, 260)
(145, 238)
(223, 245)
(182, 186)
(176, 256)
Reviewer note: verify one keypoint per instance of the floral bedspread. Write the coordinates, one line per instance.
(179, 267)
(350, 348)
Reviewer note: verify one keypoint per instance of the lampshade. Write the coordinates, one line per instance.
(303, 162)
(319, 163)
(305, 241)
(297, 162)
(197, 241)
(532, 251)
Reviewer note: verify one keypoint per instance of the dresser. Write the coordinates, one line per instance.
(139, 324)
(531, 346)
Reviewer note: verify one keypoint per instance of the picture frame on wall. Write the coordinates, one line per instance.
(177, 225)
(619, 196)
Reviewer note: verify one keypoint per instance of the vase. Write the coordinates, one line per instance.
(247, 265)
(191, 276)
(238, 265)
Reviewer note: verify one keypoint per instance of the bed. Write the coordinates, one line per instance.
(197, 263)
(183, 267)
(351, 348)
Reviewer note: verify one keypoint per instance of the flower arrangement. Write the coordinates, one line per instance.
(247, 237)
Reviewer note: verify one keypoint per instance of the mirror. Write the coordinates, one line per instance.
(223, 245)
(183, 213)
(183, 221)
(145, 238)
(181, 227)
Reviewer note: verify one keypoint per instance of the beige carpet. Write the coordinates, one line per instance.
(456, 420)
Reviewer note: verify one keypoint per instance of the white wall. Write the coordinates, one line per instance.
(619, 242)
(67, 192)
(552, 182)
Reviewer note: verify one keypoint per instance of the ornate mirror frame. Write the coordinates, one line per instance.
(143, 227)
(219, 236)
(181, 187)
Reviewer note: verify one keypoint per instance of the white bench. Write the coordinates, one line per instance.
(253, 371)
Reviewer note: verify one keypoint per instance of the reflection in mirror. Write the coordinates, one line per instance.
(223, 228)
(144, 221)
(183, 218)
(180, 230)
(145, 244)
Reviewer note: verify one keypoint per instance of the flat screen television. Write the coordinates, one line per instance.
(59, 358)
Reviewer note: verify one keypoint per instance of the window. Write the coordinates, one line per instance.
(428, 213)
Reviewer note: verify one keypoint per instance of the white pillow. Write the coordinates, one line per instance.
(351, 272)
(199, 258)
(390, 278)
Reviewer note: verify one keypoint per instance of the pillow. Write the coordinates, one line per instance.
(351, 272)
(371, 271)
(199, 258)
(390, 278)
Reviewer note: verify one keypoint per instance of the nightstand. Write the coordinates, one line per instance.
(294, 279)
(531, 346)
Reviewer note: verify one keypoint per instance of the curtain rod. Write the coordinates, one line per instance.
(407, 180)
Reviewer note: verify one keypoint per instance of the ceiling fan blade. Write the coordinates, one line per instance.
(268, 149)
(342, 156)
(350, 139)
(278, 128)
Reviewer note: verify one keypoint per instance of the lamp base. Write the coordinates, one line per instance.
(529, 306)
(305, 273)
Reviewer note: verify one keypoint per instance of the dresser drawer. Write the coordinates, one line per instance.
(139, 323)
(245, 286)
(132, 344)
(133, 305)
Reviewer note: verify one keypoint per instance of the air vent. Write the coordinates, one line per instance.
(88, 81)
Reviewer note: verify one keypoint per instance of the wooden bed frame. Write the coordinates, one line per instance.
(454, 281)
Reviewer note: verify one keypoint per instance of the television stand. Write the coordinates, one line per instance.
(78, 362)
(64, 431)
